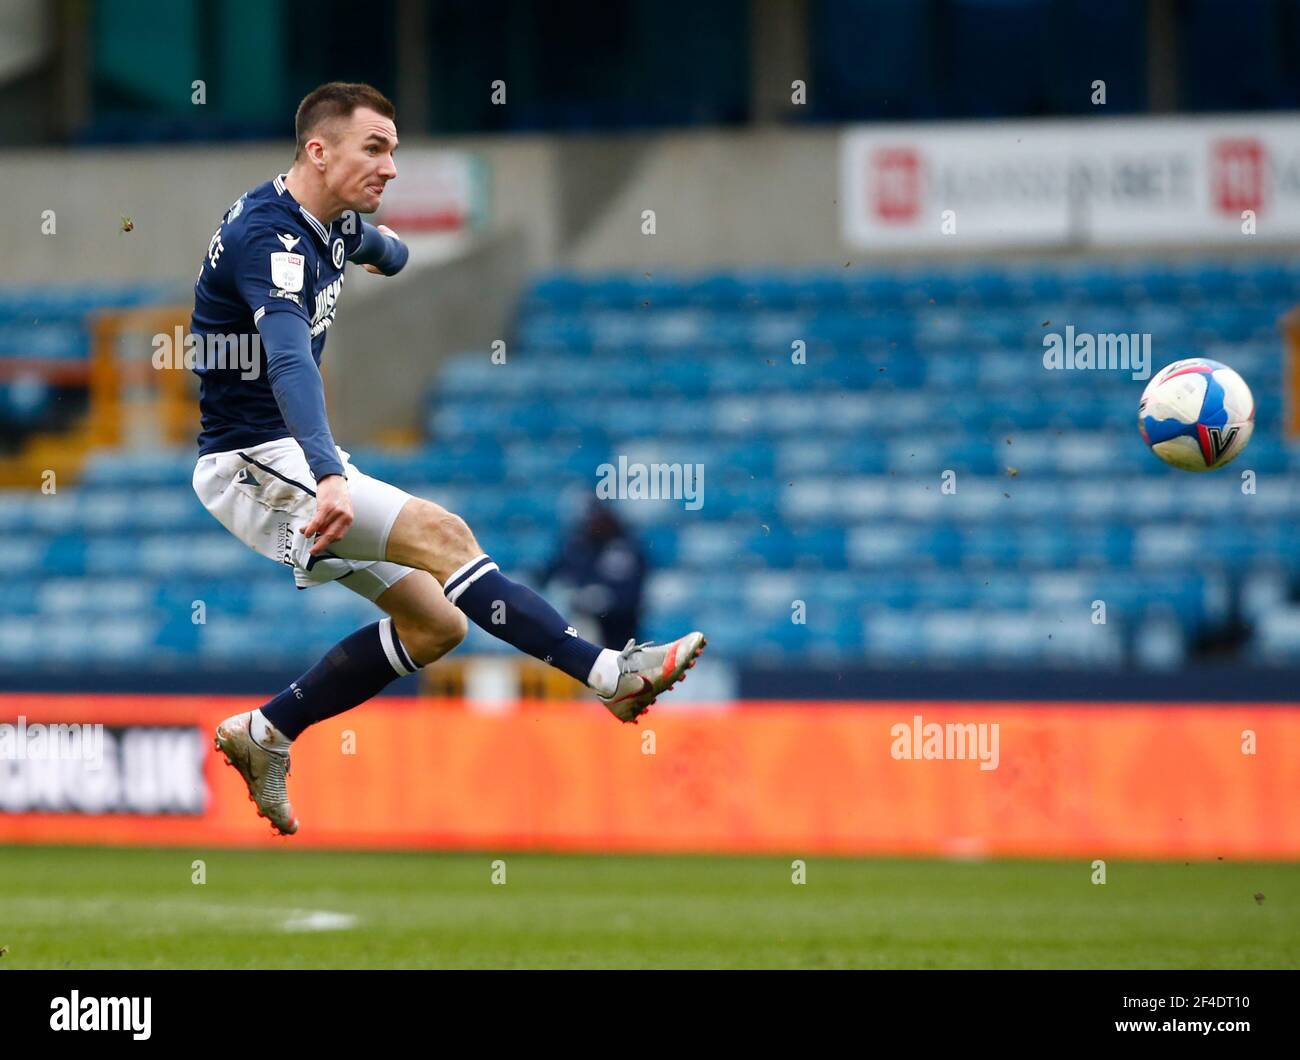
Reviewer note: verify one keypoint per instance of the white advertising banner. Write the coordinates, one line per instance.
(436, 191)
(1087, 182)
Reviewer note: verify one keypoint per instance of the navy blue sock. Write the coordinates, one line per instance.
(517, 615)
(356, 668)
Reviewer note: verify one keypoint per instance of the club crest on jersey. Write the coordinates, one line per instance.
(286, 271)
(336, 252)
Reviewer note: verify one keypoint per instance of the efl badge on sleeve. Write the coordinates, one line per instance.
(286, 271)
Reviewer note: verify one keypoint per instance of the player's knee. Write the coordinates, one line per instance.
(461, 537)
(454, 629)
(448, 536)
(444, 636)
(434, 636)
(447, 632)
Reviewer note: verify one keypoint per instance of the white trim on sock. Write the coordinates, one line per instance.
(463, 568)
(455, 594)
(387, 636)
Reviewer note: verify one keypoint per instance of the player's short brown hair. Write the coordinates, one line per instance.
(337, 99)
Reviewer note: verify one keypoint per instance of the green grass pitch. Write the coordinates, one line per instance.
(118, 908)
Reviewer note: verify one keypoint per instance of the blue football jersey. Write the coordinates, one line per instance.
(269, 255)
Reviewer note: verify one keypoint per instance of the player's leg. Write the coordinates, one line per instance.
(422, 627)
(261, 495)
(390, 525)
(424, 620)
(429, 537)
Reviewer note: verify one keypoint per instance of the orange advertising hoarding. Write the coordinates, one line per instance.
(967, 779)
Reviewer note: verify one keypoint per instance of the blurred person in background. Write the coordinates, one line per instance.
(604, 564)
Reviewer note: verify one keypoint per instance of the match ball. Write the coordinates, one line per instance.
(1196, 414)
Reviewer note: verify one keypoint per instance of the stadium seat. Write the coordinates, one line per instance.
(824, 481)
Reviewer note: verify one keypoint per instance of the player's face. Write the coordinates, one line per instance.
(361, 162)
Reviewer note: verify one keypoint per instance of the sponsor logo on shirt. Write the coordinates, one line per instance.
(326, 300)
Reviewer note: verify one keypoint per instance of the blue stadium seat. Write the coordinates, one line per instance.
(823, 480)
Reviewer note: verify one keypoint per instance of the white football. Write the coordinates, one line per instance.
(1196, 414)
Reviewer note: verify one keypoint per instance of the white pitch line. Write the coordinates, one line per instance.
(318, 920)
(177, 912)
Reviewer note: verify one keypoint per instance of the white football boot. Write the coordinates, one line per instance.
(263, 771)
(645, 670)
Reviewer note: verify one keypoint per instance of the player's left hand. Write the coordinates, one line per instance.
(333, 516)
(388, 232)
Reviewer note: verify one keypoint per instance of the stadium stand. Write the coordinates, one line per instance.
(823, 481)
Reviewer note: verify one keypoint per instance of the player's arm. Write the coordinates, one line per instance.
(299, 390)
(300, 393)
(273, 283)
(380, 251)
